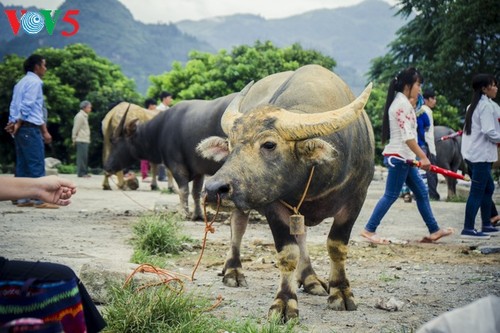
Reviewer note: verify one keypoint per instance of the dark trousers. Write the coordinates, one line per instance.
(46, 271)
(480, 195)
(82, 158)
(432, 179)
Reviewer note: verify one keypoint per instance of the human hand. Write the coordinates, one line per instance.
(47, 138)
(11, 128)
(53, 189)
(425, 164)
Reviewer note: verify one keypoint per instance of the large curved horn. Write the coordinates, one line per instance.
(120, 129)
(295, 126)
(233, 110)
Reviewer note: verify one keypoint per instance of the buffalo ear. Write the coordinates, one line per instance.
(131, 128)
(213, 148)
(316, 151)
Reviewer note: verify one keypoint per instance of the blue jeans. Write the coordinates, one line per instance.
(399, 174)
(480, 195)
(30, 152)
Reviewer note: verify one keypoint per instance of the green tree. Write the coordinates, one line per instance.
(75, 73)
(208, 76)
(375, 110)
(449, 41)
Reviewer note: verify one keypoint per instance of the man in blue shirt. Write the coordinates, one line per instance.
(27, 125)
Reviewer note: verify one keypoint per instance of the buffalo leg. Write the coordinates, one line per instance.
(183, 197)
(154, 176)
(452, 188)
(340, 296)
(285, 304)
(306, 276)
(196, 194)
(105, 183)
(232, 271)
(171, 184)
(121, 180)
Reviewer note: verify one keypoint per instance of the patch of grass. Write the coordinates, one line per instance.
(457, 198)
(159, 309)
(66, 169)
(158, 235)
(387, 278)
(144, 257)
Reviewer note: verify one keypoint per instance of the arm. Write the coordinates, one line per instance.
(424, 161)
(29, 98)
(50, 189)
(488, 118)
(427, 122)
(78, 121)
(47, 138)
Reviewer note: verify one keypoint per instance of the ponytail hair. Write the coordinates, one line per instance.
(479, 81)
(406, 77)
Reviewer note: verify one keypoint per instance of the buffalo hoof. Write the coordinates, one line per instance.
(233, 277)
(341, 301)
(106, 188)
(284, 310)
(155, 188)
(197, 218)
(314, 285)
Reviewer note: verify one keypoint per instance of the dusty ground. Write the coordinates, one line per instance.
(429, 278)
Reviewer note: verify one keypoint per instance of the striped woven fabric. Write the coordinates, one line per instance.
(50, 301)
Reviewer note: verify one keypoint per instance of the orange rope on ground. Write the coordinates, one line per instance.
(165, 276)
(168, 277)
(216, 304)
(208, 228)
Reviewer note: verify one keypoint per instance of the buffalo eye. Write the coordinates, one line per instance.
(268, 145)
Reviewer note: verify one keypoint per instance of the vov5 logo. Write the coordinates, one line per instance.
(33, 22)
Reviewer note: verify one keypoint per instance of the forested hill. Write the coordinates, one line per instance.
(351, 35)
(110, 29)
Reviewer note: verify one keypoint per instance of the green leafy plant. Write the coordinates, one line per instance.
(159, 309)
(66, 168)
(158, 234)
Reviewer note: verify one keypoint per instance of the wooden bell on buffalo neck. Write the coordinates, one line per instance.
(297, 224)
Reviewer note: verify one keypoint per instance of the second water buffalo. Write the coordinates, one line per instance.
(171, 138)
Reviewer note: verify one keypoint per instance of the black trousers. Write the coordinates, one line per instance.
(46, 271)
(432, 179)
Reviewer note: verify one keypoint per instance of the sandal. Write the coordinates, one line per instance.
(374, 238)
(437, 235)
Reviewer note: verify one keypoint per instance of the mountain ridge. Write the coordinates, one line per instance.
(351, 35)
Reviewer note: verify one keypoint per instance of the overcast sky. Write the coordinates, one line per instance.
(168, 11)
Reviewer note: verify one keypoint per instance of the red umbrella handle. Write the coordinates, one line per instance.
(444, 172)
(433, 168)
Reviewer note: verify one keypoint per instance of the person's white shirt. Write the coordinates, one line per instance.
(162, 107)
(429, 134)
(481, 144)
(402, 127)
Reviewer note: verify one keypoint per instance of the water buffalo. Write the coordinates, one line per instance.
(110, 127)
(448, 155)
(171, 138)
(278, 130)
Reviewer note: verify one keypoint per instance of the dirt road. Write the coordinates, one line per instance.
(428, 278)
